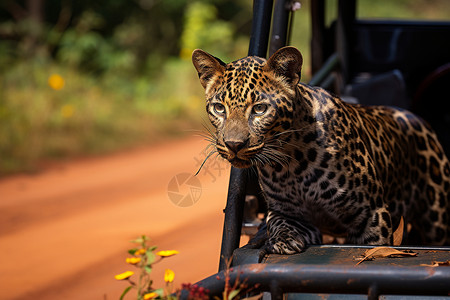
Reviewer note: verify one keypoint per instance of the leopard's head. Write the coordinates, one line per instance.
(250, 102)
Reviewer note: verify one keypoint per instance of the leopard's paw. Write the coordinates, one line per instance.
(285, 243)
(290, 236)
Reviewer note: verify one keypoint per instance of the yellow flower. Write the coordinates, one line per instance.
(169, 275)
(150, 296)
(56, 82)
(124, 275)
(167, 253)
(140, 252)
(133, 260)
(67, 111)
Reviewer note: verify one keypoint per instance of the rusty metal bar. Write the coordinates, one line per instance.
(343, 279)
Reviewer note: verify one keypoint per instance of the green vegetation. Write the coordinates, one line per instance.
(88, 114)
(89, 77)
(144, 258)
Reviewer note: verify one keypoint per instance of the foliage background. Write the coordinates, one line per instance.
(126, 67)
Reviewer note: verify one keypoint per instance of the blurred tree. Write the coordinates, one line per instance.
(118, 35)
(25, 23)
(202, 29)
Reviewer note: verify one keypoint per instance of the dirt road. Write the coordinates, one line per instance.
(64, 232)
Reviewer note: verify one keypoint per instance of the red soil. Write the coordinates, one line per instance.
(64, 233)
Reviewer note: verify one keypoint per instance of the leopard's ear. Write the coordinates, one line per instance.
(207, 66)
(286, 63)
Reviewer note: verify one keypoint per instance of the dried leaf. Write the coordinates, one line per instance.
(398, 234)
(438, 264)
(384, 252)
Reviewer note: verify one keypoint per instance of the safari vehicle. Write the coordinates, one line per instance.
(400, 63)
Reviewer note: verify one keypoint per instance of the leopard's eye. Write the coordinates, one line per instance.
(219, 108)
(259, 109)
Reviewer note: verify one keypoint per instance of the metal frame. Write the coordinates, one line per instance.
(278, 278)
(259, 44)
(372, 281)
(262, 15)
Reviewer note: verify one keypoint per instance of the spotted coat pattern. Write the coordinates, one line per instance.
(325, 166)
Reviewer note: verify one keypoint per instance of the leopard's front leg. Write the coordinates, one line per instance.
(288, 235)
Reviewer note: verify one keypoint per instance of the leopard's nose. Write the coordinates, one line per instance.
(236, 146)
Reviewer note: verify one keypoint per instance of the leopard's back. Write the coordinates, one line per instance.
(325, 165)
(377, 155)
(413, 168)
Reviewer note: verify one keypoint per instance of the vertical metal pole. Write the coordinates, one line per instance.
(233, 215)
(234, 210)
(318, 32)
(262, 15)
(346, 18)
(280, 23)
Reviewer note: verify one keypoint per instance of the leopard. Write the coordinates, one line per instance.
(324, 165)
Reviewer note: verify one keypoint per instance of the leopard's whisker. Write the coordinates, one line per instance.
(276, 156)
(278, 153)
(259, 159)
(204, 161)
(281, 144)
(290, 131)
(209, 131)
(263, 159)
(210, 145)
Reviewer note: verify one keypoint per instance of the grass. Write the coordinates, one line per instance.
(90, 115)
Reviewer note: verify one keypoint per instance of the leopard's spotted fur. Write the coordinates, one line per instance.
(325, 166)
